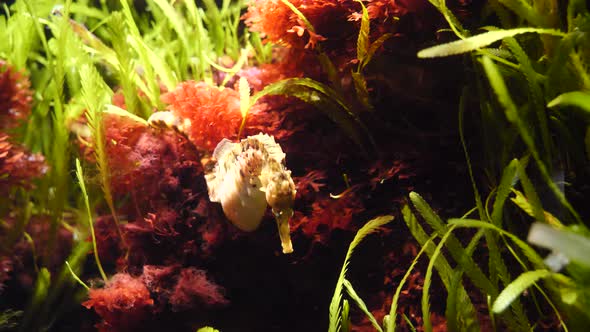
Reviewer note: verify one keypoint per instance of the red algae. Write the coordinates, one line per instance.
(153, 160)
(17, 166)
(15, 96)
(158, 175)
(336, 26)
(214, 112)
(279, 24)
(195, 289)
(124, 304)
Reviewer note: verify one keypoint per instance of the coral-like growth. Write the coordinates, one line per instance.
(17, 166)
(195, 289)
(148, 163)
(336, 25)
(158, 173)
(214, 113)
(279, 24)
(15, 96)
(124, 303)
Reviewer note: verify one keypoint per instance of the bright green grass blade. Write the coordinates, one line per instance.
(176, 20)
(374, 47)
(39, 296)
(480, 41)
(80, 177)
(531, 254)
(453, 22)
(428, 281)
(531, 193)
(579, 99)
(523, 9)
(466, 312)
(509, 178)
(362, 43)
(497, 264)
(500, 89)
(515, 288)
(335, 305)
(455, 248)
(207, 329)
(536, 97)
(442, 265)
(115, 110)
(361, 304)
(96, 94)
(390, 323)
(345, 316)
(75, 277)
(524, 204)
(326, 100)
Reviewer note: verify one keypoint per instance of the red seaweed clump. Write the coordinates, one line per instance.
(149, 163)
(159, 174)
(124, 304)
(214, 112)
(17, 166)
(194, 289)
(335, 25)
(15, 96)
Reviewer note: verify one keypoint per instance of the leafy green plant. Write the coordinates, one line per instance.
(336, 311)
(547, 72)
(73, 53)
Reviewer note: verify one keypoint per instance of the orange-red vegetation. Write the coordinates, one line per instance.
(194, 289)
(214, 112)
(15, 96)
(123, 304)
(18, 166)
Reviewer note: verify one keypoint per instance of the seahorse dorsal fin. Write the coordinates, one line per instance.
(272, 148)
(222, 149)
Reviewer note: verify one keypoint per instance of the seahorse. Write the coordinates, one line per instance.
(246, 177)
